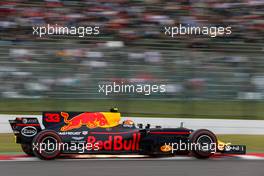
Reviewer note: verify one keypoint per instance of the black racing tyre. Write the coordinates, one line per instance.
(208, 142)
(46, 145)
(27, 148)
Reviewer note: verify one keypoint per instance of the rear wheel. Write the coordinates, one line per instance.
(46, 145)
(205, 143)
(27, 149)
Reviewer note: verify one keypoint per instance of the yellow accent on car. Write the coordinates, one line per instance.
(221, 145)
(165, 148)
(113, 119)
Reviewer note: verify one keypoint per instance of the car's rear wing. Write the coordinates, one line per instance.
(25, 128)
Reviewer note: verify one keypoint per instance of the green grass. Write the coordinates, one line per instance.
(151, 108)
(8, 145)
(254, 143)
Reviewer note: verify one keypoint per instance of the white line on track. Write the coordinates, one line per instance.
(218, 126)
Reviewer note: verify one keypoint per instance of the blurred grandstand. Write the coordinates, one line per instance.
(132, 48)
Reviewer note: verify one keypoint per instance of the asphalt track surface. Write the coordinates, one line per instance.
(133, 168)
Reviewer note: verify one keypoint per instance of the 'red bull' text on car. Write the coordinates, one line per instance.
(103, 133)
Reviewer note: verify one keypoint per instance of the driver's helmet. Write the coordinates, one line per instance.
(114, 109)
(128, 123)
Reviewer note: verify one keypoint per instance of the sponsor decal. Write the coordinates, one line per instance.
(165, 148)
(91, 120)
(26, 121)
(78, 138)
(108, 129)
(232, 148)
(128, 126)
(70, 133)
(85, 133)
(52, 117)
(29, 131)
(227, 148)
(117, 142)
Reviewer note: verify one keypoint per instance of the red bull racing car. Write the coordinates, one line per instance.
(75, 133)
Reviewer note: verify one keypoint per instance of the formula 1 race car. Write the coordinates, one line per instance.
(102, 133)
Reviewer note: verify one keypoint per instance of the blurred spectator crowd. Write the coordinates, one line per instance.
(132, 48)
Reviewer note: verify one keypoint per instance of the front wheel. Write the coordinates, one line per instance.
(46, 145)
(204, 143)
